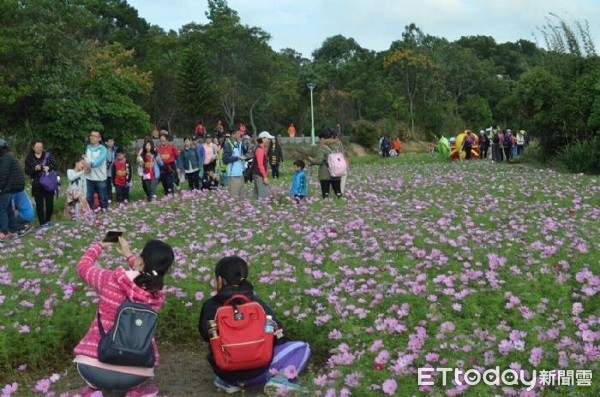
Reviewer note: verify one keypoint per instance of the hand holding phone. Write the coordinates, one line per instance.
(112, 236)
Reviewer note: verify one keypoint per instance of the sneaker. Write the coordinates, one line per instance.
(279, 385)
(226, 387)
(143, 391)
(24, 230)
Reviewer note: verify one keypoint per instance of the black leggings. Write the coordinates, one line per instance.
(275, 171)
(44, 203)
(193, 179)
(335, 184)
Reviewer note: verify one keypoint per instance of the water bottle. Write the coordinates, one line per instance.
(270, 325)
(213, 332)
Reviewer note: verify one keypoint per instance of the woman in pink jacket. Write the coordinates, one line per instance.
(142, 283)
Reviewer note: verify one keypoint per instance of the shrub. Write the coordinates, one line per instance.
(580, 157)
(365, 132)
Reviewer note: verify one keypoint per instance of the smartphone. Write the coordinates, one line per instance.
(112, 236)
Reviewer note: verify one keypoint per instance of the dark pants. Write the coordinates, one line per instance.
(7, 214)
(145, 188)
(104, 379)
(467, 152)
(334, 184)
(507, 153)
(44, 203)
(97, 187)
(484, 151)
(193, 179)
(109, 185)
(122, 193)
(150, 188)
(167, 178)
(275, 171)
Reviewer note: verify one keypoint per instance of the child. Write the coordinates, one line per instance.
(150, 162)
(210, 181)
(299, 182)
(121, 176)
(142, 283)
(231, 279)
(77, 205)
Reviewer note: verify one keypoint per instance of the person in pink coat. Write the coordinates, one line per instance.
(142, 282)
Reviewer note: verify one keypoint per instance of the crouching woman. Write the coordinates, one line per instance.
(288, 356)
(141, 283)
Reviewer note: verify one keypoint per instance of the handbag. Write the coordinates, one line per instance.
(48, 180)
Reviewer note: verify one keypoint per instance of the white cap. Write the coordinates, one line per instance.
(265, 134)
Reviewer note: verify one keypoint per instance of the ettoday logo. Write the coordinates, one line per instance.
(510, 377)
(471, 377)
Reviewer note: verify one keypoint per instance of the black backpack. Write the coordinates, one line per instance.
(129, 340)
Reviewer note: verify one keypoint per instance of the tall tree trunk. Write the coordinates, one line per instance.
(251, 111)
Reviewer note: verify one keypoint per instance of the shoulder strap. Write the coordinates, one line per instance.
(100, 327)
(45, 159)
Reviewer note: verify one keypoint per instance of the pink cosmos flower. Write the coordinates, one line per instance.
(389, 387)
(320, 380)
(577, 308)
(536, 356)
(10, 389)
(290, 372)
(42, 386)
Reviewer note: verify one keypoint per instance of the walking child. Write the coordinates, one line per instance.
(122, 174)
(299, 189)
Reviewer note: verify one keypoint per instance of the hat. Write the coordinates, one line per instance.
(265, 134)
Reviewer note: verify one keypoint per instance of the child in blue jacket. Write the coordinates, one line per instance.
(299, 189)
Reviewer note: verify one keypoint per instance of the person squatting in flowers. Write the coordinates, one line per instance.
(141, 283)
(231, 279)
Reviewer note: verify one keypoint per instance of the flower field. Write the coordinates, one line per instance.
(424, 264)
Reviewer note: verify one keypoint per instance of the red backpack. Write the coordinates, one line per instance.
(242, 342)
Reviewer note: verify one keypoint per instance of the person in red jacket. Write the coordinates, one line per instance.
(121, 176)
(168, 153)
(260, 175)
(142, 283)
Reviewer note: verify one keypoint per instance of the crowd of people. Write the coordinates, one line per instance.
(104, 173)
(500, 145)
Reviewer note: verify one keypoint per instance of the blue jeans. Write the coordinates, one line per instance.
(100, 188)
(104, 379)
(223, 178)
(8, 222)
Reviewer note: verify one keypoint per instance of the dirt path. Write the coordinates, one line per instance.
(185, 372)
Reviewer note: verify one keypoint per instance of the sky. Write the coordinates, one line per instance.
(303, 25)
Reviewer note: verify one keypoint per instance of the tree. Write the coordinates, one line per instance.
(412, 68)
(58, 83)
(196, 93)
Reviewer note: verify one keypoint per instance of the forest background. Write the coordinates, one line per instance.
(67, 67)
